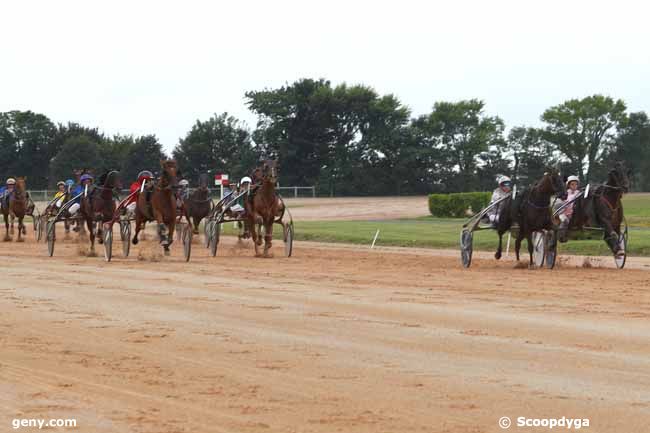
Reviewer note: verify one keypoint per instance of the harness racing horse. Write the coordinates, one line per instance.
(199, 203)
(263, 206)
(17, 208)
(531, 209)
(161, 207)
(98, 206)
(604, 208)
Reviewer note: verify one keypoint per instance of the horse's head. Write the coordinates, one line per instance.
(619, 177)
(553, 183)
(20, 187)
(204, 181)
(169, 174)
(21, 184)
(270, 170)
(110, 179)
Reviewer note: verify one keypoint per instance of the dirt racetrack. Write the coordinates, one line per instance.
(336, 338)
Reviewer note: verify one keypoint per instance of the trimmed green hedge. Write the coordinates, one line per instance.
(458, 204)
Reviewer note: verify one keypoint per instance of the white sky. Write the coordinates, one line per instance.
(155, 67)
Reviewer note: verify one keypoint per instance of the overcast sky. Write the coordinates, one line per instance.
(145, 67)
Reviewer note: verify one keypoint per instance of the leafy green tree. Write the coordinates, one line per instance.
(222, 144)
(583, 130)
(77, 152)
(530, 153)
(633, 147)
(295, 126)
(461, 132)
(143, 153)
(26, 146)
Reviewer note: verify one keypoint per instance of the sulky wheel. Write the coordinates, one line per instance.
(288, 239)
(539, 248)
(214, 238)
(186, 237)
(108, 242)
(466, 238)
(207, 227)
(551, 248)
(51, 237)
(125, 236)
(622, 245)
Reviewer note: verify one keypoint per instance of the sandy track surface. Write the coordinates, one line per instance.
(357, 208)
(333, 339)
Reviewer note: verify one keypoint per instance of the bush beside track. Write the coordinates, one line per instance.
(457, 205)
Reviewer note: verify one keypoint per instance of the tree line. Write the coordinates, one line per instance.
(350, 140)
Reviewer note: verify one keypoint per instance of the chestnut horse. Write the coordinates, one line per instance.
(531, 209)
(18, 207)
(199, 203)
(98, 206)
(159, 204)
(263, 207)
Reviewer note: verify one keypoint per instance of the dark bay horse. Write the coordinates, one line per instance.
(18, 208)
(531, 208)
(603, 207)
(199, 203)
(98, 205)
(264, 206)
(158, 203)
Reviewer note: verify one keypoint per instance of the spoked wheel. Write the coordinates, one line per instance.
(51, 237)
(214, 238)
(622, 246)
(466, 239)
(288, 239)
(38, 227)
(207, 227)
(125, 236)
(186, 237)
(539, 248)
(108, 242)
(551, 248)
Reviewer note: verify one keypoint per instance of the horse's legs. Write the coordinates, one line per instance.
(268, 237)
(7, 237)
(197, 222)
(529, 241)
(611, 237)
(497, 255)
(164, 235)
(255, 235)
(90, 223)
(518, 244)
(100, 231)
(21, 229)
(139, 225)
(172, 227)
(11, 216)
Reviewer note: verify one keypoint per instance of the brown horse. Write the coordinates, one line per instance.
(199, 203)
(603, 207)
(158, 203)
(531, 209)
(98, 206)
(263, 207)
(17, 208)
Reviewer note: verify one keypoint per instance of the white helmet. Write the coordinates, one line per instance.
(246, 179)
(11, 181)
(572, 179)
(503, 179)
(184, 182)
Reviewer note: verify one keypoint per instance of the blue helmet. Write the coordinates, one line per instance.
(69, 182)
